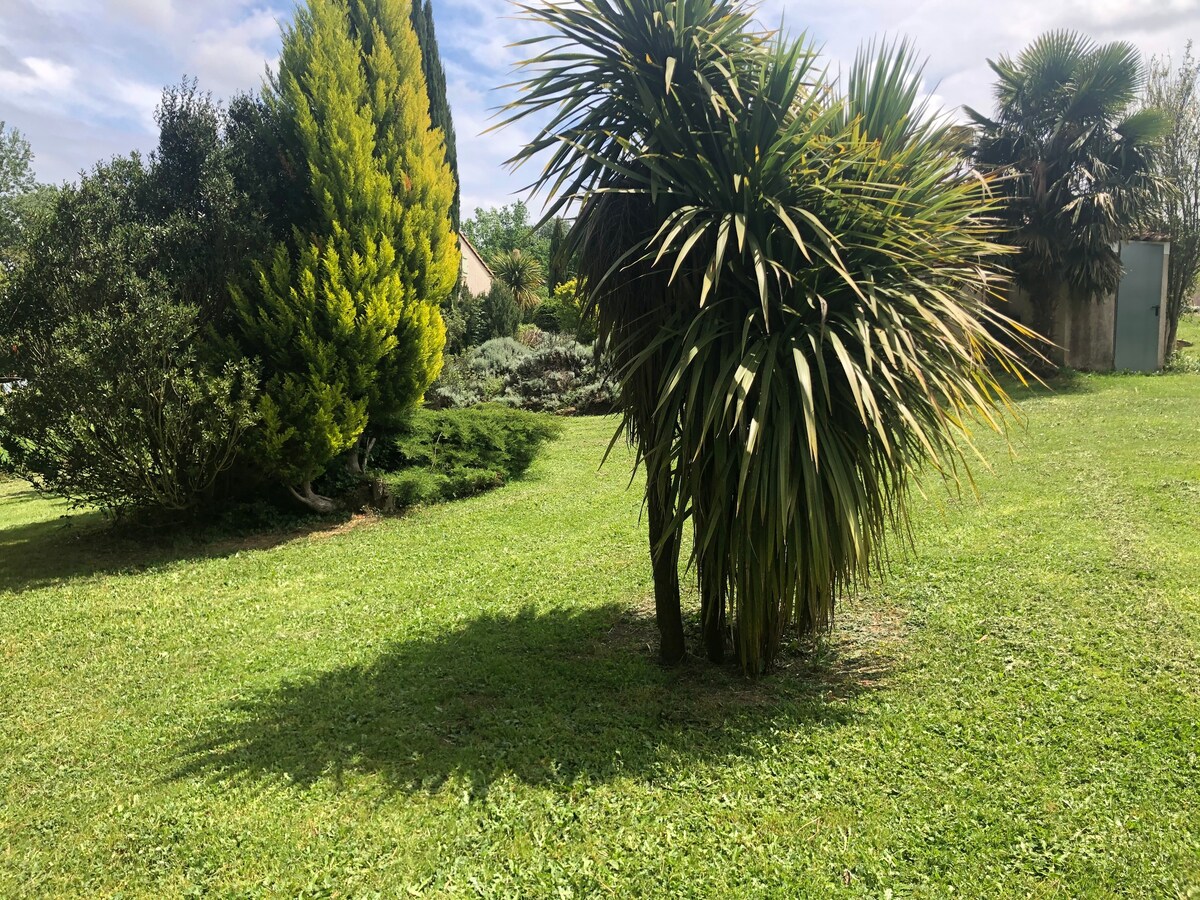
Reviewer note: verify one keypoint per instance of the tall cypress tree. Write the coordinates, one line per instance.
(413, 154)
(345, 314)
(435, 80)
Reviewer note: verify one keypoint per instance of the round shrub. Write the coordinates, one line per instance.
(497, 357)
(551, 316)
(119, 411)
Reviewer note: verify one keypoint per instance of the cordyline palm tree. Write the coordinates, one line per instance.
(1079, 163)
(521, 274)
(792, 280)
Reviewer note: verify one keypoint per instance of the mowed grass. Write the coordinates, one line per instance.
(465, 702)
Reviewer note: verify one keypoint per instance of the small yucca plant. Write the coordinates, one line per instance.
(791, 276)
(522, 274)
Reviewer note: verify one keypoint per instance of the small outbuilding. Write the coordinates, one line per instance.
(1124, 331)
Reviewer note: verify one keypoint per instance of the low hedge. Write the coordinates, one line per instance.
(449, 454)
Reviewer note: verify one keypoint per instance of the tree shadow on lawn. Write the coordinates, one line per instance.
(1062, 382)
(547, 698)
(39, 554)
(16, 498)
(83, 544)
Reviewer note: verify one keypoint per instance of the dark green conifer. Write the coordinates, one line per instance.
(435, 81)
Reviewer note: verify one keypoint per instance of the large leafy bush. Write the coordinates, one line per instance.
(559, 376)
(546, 380)
(127, 403)
(120, 411)
(498, 357)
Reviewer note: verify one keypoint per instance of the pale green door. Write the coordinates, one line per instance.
(1139, 304)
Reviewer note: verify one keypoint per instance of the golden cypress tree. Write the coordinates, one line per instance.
(340, 315)
(435, 81)
(413, 153)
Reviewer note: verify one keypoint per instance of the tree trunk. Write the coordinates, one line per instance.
(1172, 337)
(713, 612)
(1045, 298)
(359, 457)
(664, 554)
(1045, 309)
(311, 499)
(1043, 319)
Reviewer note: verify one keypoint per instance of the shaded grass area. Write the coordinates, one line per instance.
(539, 698)
(465, 702)
(49, 543)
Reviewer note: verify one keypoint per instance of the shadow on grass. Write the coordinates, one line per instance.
(546, 698)
(16, 498)
(1060, 382)
(39, 554)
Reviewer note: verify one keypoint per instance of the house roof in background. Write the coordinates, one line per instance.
(466, 242)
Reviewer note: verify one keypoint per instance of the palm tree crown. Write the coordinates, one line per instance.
(522, 275)
(1078, 160)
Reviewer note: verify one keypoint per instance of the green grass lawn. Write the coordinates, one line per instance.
(464, 701)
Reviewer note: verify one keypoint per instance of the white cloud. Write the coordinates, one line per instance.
(157, 14)
(235, 57)
(139, 99)
(37, 77)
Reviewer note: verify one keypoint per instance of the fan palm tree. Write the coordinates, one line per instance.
(522, 275)
(1078, 157)
(791, 277)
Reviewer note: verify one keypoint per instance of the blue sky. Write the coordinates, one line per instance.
(81, 78)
